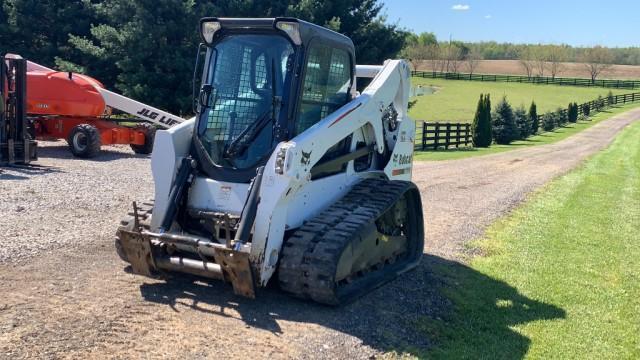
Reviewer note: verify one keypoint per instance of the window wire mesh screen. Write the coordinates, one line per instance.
(326, 85)
(235, 102)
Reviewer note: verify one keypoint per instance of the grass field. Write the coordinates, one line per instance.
(456, 100)
(559, 277)
(541, 139)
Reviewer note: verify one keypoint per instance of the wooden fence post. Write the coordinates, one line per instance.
(448, 139)
(424, 135)
(436, 136)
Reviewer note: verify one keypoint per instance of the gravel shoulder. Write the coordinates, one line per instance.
(66, 294)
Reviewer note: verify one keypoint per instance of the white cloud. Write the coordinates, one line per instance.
(487, 16)
(460, 7)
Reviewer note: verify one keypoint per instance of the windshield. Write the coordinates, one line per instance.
(247, 73)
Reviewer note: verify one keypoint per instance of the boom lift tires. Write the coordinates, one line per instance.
(84, 141)
(149, 132)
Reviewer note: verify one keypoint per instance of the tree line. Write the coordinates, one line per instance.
(536, 60)
(503, 124)
(146, 48)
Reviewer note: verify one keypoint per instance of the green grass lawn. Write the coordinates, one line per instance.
(543, 138)
(559, 277)
(456, 100)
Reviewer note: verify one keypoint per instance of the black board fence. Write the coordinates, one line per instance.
(437, 135)
(443, 135)
(601, 103)
(613, 84)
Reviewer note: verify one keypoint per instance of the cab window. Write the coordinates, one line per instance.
(326, 85)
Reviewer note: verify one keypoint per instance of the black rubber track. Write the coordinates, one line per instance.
(310, 255)
(145, 209)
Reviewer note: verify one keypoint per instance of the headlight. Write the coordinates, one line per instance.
(208, 28)
(292, 29)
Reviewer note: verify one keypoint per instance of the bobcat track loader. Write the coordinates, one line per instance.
(286, 171)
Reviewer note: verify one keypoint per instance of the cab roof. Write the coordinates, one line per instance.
(308, 30)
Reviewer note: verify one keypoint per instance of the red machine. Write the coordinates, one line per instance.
(75, 107)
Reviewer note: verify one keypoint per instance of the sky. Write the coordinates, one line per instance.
(614, 23)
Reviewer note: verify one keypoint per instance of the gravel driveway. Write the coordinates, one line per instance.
(65, 294)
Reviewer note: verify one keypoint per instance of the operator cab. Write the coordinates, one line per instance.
(265, 81)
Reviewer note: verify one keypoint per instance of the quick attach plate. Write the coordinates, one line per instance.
(137, 248)
(237, 270)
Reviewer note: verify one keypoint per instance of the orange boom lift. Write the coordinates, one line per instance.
(78, 108)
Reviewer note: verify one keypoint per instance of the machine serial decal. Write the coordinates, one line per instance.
(345, 114)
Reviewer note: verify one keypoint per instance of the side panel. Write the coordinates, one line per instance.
(169, 147)
(315, 196)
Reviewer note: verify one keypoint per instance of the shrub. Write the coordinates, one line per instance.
(599, 103)
(522, 122)
(572, 112)
(586, 110)
(610, 98)
(504, 124)
(533, 118)
(548, 121)
(561, 117)
(481, 126)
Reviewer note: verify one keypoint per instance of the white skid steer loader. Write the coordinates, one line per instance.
(286, 168)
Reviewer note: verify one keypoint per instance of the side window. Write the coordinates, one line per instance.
(326, 85)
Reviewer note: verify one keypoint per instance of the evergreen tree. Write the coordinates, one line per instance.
(504, 126)
(610, 98)
(533, 118)
(146, 48)
(561, 117)
(39, 30)
(481, 126)
(572, 112)
(522, 122)
(548, 121)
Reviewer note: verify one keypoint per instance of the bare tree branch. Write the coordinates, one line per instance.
(555, 56)
(473, 60)
(597, 60)
(526, 61)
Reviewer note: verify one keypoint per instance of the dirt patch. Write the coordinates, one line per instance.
(66, 294)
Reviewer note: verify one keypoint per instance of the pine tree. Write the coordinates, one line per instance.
(572, 112)
(533, 118)
(504, 129)
(522, 122)
(481, 127)
(146, 48)
(548, 121)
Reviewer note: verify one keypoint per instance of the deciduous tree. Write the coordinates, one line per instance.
(596, 60)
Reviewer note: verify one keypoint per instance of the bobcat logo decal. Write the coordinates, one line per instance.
(306, 158)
